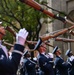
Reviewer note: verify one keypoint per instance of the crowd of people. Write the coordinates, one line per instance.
(47, 64)
(19, 59)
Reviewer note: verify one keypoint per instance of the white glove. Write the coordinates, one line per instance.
(21, 36)
(71, 58)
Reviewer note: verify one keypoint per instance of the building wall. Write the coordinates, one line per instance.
(66, 6)
(70, 11)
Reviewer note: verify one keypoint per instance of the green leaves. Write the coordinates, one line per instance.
(19, 15)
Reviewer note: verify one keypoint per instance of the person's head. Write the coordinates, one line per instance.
(26, 54)
(57, 51)
(68, 53)
(2, 32)
(42, 48)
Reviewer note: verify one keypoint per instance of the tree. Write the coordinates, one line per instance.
(18, 15)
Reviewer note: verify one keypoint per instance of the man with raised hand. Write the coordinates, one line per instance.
(44, 64)
(10, 66)
(60, 65)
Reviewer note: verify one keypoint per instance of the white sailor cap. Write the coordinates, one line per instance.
(26, 51)
(68, 52)
(55, 49)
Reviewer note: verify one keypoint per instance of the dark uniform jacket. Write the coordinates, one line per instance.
(45, 66)
(71, 69)
(10, 66)
(61, 66)
(30, 67)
